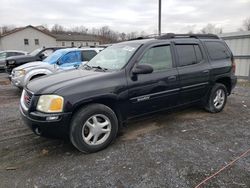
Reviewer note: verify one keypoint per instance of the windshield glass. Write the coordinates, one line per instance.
(35, 52)
(2, 55)
(54, 56)
(114, 57)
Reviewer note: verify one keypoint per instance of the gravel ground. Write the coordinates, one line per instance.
(178, 149)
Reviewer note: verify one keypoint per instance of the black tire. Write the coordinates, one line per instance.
(210, 106)
(79, 120)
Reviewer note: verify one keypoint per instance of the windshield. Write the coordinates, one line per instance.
(54, 56)
(114, 57)
(2, 55)
(35, 52)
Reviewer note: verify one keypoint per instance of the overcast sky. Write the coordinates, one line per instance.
(127, 15)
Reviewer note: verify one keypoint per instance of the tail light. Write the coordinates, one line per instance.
(233, 65)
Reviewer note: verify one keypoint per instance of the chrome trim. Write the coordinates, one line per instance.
(195, 85)
(153, 94)
(22, 101)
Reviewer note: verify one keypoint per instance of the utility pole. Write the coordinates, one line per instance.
(159, 19)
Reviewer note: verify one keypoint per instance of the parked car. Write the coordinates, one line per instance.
(8, 53)
(60, 60)
(37, 55)
(128, 80)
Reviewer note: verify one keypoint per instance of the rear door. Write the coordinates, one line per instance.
(194, 70)
(157, 90)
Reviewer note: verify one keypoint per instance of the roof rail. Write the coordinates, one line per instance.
(197, 36)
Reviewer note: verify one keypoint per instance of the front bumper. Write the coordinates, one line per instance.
(39, 121)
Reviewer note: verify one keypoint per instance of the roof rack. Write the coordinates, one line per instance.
(197, 36)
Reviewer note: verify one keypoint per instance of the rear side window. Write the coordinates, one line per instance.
(158, 57)
(87, 55)
(217, 50)
(188, 54)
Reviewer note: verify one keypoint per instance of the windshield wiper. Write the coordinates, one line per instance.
(100, 68)
(86, 66)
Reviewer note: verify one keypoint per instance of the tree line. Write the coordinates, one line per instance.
(107, 35)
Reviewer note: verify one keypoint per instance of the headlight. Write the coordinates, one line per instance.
(50, 103)
(20, 72)
(11, 62)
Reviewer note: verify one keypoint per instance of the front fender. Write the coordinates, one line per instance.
(32, 73)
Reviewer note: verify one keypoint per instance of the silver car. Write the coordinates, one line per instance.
(60, 60)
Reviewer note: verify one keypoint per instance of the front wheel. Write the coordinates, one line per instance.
(217, 98)
(93, 128)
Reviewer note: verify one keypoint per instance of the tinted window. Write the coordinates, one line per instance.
(88, 55)
(198, 53)
(189, 54)
(158, 57)
(217, 50)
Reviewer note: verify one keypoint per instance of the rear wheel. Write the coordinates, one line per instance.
(217, 98)
(93, 128)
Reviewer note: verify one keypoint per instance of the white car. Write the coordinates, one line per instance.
(60, 60)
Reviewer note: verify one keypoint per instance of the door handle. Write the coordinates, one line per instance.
(205, 71)
(172, 78)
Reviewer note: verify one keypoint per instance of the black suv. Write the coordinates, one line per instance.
(128, 80)
(37, 55)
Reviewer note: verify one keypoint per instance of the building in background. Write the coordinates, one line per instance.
(26, 39)
(77, 40)
(30, 38)
(239, 43)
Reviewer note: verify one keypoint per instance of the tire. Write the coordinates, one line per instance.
(93, 120)
(214, 105)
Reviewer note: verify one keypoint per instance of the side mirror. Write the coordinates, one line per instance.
(76, 66)
(42, 56)
(142, 69)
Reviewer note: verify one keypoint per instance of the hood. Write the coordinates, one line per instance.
(35, 65)
(51, 83)
(30, 65)
(21, 58)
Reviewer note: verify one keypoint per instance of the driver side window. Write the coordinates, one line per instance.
(158, 57)
(70, 57)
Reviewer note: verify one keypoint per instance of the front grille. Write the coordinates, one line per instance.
(26, 99)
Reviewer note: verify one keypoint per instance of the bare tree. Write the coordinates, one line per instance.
(132, 35)
(122, 36)
(6, 28)
(246, 24)
(211, 28)
(57, 29)
(79, 29)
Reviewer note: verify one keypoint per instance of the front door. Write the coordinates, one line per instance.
(157, 90)
(70, 60)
